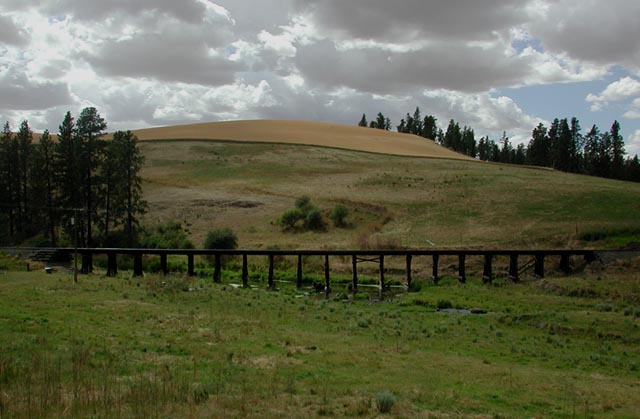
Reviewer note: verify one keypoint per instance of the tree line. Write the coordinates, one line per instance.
(561, 146)
(78, 189)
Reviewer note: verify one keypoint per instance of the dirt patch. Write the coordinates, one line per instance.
(214, 203)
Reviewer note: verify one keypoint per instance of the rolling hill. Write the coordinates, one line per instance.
(305, 133)
(244, 175)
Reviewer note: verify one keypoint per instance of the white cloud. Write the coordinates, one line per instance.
(633, 144)
(621, 89)
(484, 112)
(155, 62)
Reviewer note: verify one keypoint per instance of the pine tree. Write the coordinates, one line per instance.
(363, 121)
(90, 126)
(9, 185)
(507, 149)
(24, 139)
(42, 186)
(429, 127)
(617, 151)
(129, 162)
(538, 150)
(402, 127)
(417, 127)
(68, 181)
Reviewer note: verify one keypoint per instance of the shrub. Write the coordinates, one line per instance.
(221, 239)
(338, 215)
(313, 220)
(290, 218)
(444, 304)
(170, 235)
(385, 401)
(304, 204)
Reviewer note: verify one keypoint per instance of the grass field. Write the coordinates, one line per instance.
(178, 347)
(393, 200)
(168, 347)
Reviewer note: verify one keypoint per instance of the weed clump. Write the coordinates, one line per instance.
(385, 401)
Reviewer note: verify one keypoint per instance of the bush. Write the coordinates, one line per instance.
(170, 235)
(290, 218)
(304, 205)
(385, 401)
(313, 220)
(221, 239)
(338, 215)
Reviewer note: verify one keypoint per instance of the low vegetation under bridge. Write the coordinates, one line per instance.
(520, 261)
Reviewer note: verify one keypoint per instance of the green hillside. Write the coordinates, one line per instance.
(392, 200)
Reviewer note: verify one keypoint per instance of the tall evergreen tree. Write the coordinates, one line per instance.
(576, 147)
(9, 182)
(24, 139)
(538, 150)
(592, 144)
(429, 127)
(417, 123)
(506, 153)
(617, 151)
(363, 121)
(129, 162)
(69, 179)
(43, 187)
(90, 126)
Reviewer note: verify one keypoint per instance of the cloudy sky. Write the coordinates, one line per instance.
(494, 65)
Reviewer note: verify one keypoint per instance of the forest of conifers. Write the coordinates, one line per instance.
(561, 146)
(78, 189)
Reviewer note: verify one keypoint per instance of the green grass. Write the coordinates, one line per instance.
(407, 201)
(148, 347)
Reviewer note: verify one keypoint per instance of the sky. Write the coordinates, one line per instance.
(493, 65)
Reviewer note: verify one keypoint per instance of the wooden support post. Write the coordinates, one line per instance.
(299, 276)
(487, 273)
(462, 275)
(409, 257)
(354, 267)
(112, 264)
(382, 284)
(137, 264)
(217, 268)
(87, 263)
(434, 275)
(163, 264)
(565, 264)
(327, 276)
(539, 266)
(245, 271)
(190, 265)
(270, 278)
(513, 268)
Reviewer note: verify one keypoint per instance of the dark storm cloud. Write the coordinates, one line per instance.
(414, 19)
(186, 10)
(11, 34)
(444, 65)
(592, 30)
(168, 57)
(19, 93)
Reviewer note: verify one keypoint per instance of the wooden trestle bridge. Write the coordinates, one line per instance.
(519, 261)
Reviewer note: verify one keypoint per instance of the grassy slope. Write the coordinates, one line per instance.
(122, 347)
(307, 133)
(393, 200)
